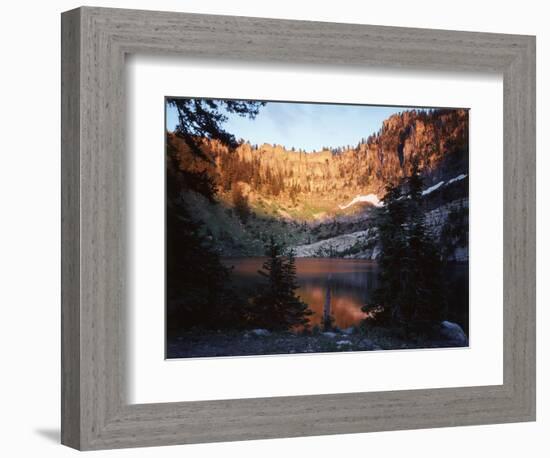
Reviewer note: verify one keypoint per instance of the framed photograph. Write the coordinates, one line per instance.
(336, 220)
(278, 244)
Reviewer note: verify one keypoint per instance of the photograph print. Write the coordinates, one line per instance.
(295, 228)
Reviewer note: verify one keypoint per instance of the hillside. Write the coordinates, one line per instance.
(303, 198)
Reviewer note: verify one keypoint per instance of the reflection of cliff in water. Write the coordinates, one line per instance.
(352, 282)
(349, 291)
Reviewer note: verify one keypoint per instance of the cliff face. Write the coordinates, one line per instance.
(447, 223)
(309, 186)
(325, 203)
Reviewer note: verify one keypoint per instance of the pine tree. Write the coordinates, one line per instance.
(295, 312)
(393, 241)
(196, 287)
(411, 283)
(240, 202)
(201, 181)
(277, 307)
(198, 290)
(425, 289)
(203, 118)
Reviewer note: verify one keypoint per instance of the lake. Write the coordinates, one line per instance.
(351, 283)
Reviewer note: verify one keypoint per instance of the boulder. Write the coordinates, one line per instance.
(453, 333)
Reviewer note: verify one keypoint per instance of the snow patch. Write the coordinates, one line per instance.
(432, 188)
(441, 183)
(458, 178)
(369, 198)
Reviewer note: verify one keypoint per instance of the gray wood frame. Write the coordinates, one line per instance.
(95, 413)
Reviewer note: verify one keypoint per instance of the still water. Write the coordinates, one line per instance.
(351, 283)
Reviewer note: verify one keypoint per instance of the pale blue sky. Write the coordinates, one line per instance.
(309, 126)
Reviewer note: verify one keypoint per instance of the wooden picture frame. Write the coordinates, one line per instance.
(95, 411)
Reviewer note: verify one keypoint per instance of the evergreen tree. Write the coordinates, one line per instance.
(198, 290)
(203, 118)
(240, 202)
(393, 241)
(202, 180)
(295, 312)
(424, 290)
(411, 283)
(277, 307)
(293, 193)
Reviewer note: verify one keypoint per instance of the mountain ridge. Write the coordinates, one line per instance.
(303, 198)
(437, 139)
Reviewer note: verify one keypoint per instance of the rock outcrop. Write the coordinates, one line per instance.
(315, 184)
(324, 203)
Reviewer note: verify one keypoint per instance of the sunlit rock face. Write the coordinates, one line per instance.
(315, 184)
(324, 203)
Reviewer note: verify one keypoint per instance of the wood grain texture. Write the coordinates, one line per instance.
(70, 229)
(96, 414)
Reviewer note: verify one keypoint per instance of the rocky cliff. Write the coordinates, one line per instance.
(314, 185)
(323, 202)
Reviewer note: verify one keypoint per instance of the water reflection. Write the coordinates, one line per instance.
(351, 283)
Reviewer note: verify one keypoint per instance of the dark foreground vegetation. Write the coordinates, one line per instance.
(199, 290)
(367, 337)
(411, 292)
(207, 315)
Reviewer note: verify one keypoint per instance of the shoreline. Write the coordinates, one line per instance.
(259, 342)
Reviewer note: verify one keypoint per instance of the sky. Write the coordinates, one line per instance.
(309, 126)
